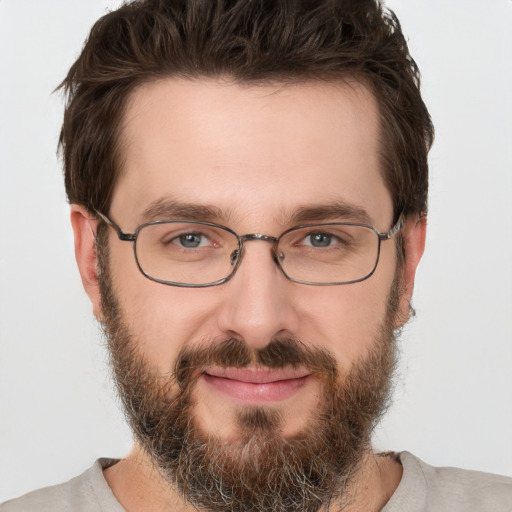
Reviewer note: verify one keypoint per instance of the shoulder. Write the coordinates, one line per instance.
(88, 492)
(450, 489)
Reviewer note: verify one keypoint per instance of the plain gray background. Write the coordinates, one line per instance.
(453, 402)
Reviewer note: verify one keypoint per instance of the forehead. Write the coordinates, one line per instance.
(245, 150)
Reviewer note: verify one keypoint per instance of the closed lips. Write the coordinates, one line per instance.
(256, 375)
(251, 385)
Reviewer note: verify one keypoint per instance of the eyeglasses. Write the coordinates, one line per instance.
(198, 254)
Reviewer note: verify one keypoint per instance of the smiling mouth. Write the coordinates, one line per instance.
(253, 385)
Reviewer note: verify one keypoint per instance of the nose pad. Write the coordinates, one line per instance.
(234, 256)
(277, 256)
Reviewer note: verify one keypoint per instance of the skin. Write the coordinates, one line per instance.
(258, 154)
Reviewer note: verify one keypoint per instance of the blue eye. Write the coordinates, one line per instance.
(191, 240)
(318, 239)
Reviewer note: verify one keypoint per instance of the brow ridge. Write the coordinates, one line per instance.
(171, 209)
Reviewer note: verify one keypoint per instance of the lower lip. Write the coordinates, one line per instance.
(254, 392)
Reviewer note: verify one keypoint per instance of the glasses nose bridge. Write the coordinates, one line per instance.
(250, 237)
(257, 236)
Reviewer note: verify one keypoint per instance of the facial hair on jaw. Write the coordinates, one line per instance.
(263, 471)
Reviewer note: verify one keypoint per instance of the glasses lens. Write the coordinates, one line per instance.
(185, 252)
(329, 253)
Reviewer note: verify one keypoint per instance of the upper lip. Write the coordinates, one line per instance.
(257, 375)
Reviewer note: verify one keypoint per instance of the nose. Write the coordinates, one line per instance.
(258, 302)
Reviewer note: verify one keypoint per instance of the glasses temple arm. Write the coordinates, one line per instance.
(128, 237)
(395, 229)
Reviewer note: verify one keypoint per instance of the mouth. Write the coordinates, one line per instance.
(256, 385)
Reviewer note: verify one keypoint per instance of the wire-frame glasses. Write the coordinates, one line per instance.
(199, 254)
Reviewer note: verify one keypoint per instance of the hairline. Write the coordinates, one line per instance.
(350, 80)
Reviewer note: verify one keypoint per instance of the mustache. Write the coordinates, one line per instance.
(279, 353)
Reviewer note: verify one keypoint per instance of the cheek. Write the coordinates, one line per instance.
(162, 319)
(346, 320)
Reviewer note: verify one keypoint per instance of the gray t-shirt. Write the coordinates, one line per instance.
(423, 488)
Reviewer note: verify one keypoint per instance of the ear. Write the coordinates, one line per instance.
(414, 233)
(84, 229)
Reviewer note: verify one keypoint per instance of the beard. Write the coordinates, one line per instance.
(261, 470)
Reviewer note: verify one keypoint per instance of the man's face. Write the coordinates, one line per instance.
(260, 160)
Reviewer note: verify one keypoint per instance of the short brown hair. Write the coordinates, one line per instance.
(250, 41)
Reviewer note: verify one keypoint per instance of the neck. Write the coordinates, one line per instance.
(139, 487)
(375, 483)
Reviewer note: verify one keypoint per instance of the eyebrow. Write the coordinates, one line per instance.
(170, 209)
(337, 210)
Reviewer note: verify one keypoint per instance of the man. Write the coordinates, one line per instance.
(248, 186)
